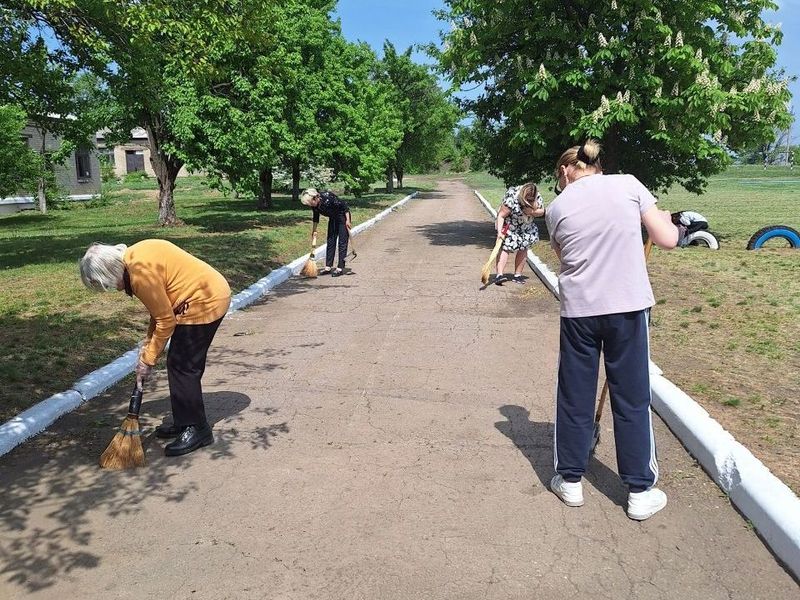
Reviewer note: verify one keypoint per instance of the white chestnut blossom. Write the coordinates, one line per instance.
(542, 74)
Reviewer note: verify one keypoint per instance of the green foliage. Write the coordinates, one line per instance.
(668, 87)
(289, 91)
(107, 172)
(51, 94)
(19, 164)
(144, 52)
(363, 124)
(135, 177)
(467, 150)
(428, 116)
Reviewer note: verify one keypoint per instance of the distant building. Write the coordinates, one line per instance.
(130, 156)
(78, 176)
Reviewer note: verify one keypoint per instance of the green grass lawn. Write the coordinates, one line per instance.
(54, 331)
(726, 327)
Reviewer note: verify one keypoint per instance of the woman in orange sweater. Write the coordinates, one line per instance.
(187, 300)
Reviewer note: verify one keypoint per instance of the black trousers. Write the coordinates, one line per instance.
(186, 362)
(337, 231)
(623, 340)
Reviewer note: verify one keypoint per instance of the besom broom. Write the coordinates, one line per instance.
(125, 450)
(310, 268)
(487, 268)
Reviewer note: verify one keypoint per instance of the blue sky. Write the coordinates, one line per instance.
(409, 22)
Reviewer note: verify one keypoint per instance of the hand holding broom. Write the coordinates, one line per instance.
(487, 268)
(648, 246)
(125, 450)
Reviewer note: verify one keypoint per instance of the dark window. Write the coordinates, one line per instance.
(83, 164)
(134, 160)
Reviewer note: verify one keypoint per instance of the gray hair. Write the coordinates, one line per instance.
(308, 195)
(102, 267)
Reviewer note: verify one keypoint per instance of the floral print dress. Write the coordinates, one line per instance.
(522, 231)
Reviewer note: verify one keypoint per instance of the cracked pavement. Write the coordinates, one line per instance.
(381, 435)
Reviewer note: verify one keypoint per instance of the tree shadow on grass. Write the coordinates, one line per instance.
(242, 259)
(55, 497)
(535, 441)
(240, 214)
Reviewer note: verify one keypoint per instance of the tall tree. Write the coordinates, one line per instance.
(669, 87)
(358, 115)
(145, 50)
(428, 116)
(49, 90)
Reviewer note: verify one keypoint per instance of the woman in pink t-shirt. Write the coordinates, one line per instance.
(595, 229)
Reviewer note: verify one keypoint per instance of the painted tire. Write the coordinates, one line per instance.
(774, 231)
(702, 238)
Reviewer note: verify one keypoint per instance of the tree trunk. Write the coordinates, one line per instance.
(40, 188)
(399, 170)
(389, 180)
(296, 180)
(265, 189)
(166, 167)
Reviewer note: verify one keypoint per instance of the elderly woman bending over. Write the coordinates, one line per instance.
(187, 300)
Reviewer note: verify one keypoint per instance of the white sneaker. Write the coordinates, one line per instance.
(643, 505)
(571, 494)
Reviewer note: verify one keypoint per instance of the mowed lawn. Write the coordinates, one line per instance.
(726, 326)
(53, 331)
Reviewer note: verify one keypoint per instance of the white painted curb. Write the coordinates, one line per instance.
(40, 416)
(764, 499)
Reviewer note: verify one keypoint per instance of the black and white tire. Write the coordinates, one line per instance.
(702, 238)
(791, 235)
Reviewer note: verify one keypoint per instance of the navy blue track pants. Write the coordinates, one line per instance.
(337, 236)
(623, 340)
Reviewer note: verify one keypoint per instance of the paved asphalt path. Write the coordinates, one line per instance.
(382, 435)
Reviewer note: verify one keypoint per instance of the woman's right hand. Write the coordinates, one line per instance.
(143, 371)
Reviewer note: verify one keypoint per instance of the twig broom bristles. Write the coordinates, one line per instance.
(648, 246)
(310, 268)
(487, 268)
(125, 450)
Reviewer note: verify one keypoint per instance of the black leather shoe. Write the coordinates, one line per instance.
(168, 430)
(189, 440)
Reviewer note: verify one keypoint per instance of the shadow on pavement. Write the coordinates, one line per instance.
(535, 441)
(460, 233)
(54, 494)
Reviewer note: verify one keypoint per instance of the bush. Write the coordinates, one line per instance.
(107, 169)
(135, 177)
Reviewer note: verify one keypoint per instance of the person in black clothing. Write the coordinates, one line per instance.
(338, 213)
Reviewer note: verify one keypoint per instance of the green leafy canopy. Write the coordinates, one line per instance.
(670, 88)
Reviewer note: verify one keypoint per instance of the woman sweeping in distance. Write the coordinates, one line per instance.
(187, 300)
(595, 229)
(520, 206)
(338, 213)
